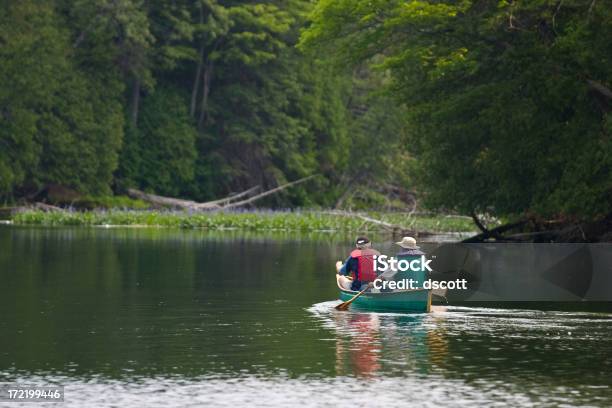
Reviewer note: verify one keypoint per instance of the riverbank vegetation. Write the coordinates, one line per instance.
(254, 220)
(509, 102)
(478, 108)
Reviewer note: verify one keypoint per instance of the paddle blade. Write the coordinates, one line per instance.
(343, 305)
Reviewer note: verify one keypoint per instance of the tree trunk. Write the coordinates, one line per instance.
(135, 101)
(196, 83)
(196, 80)
(205, 91)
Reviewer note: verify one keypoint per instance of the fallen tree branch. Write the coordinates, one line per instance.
(527, 235)
(479, 224)
(267, 193)
(222, 203)
(394, 228)
(46, 207)
(8, 212)
(496, 232)
(384, 224)
(187, 204)
(600, 88)
(550, 234)
(230, 197)
(161, 200)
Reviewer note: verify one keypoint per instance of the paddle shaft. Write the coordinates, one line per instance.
(345, 305)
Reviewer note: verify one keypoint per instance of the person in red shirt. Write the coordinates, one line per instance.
(360, 264)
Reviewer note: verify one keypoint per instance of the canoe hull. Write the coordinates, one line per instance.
(414, 301)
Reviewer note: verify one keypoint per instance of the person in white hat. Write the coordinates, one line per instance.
(409, 247)
(410, 251)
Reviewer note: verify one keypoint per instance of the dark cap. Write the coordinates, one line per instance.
(362, 241)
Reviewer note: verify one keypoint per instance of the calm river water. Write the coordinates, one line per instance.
(167, 318)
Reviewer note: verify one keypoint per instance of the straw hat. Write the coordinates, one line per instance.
(408, 243)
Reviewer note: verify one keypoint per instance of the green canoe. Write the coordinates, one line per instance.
(416, 300)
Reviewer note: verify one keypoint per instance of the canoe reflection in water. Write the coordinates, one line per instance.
(361, 349)
(368, 344)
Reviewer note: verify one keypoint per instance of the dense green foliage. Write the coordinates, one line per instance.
(191, 98)
(58, 123)
(499, 107)
(509, 101)
(160, 153)
(267, 220)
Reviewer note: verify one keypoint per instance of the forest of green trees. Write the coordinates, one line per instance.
(490, 106)
(192, 98)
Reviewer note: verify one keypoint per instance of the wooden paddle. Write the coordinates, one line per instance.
(345, 305)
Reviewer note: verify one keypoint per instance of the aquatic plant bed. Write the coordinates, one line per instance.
(252, 220)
